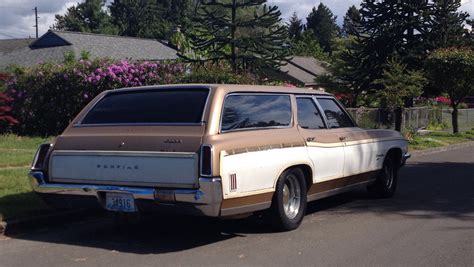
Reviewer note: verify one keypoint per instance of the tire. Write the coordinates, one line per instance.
(289, 201)
(386, 183)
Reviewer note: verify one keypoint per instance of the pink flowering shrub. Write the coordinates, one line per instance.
(47, 96)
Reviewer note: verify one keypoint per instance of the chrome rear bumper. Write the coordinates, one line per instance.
(206, 200)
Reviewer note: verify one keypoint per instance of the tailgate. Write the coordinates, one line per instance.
(154, 169)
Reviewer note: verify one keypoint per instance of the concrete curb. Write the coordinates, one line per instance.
(17, 226)
(441, 149)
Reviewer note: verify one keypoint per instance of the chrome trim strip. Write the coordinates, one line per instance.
(336, 191)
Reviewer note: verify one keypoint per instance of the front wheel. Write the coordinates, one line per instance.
(386, 182)
(289, 201)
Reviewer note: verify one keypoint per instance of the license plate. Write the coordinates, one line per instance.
(120, 202)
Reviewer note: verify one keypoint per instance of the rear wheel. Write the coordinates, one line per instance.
(386, 183)
(289, 201)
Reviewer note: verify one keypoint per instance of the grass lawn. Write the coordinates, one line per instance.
(16, 198)
(439, 139)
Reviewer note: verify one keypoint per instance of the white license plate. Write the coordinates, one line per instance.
(120, 202)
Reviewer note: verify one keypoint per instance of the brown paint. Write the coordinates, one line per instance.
(246, 201)
(341, 182)
(314, 189)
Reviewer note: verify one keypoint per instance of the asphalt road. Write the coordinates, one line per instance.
(430, 222)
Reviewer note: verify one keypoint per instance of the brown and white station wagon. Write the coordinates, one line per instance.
(215, 150)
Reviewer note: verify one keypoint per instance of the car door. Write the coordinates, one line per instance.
(323, 145)
(360, 156)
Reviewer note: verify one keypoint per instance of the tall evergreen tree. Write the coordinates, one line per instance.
(447, 24)
(295, 27)
(139, 18)
(351, 21)
(387, 29)
(226, 31)
(88, 16)
(322, 23)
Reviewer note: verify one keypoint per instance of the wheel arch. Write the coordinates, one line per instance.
(395, 152)
(307, 170)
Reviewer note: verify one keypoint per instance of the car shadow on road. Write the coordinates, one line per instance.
(426, 191)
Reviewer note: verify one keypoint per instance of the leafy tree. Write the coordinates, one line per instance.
(322, 23)
(142, 18)
(226, 31)
(451, 70)
(309, 47)
(295, 27)
(347, 72)
(399, 85)
(447, 24)
(351, 21)
(88, 16)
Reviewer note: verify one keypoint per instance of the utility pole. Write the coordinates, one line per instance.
(36, 21)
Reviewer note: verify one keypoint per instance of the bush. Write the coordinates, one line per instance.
(48, 96)
(6, 119)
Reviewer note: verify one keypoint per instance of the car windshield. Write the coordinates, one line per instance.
(149, 106)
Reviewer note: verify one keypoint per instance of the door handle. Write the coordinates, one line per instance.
(310, 139)
(342, 138)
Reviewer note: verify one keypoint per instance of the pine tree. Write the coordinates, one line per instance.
(246, 33)
(88, 16)
(295, 27)
(447, 24)
(139, 18)
(322, 23)
(351, 21)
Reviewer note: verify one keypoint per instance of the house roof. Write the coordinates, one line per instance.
(304, 69)
(10, 45)
(53, 44)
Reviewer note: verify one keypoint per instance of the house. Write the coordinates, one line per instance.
(53, 45)
(299, 70)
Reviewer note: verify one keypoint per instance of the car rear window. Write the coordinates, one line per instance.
(256, 111)
(149, 106)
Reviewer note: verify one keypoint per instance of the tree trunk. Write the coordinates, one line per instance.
(398, 119)
(454, 118)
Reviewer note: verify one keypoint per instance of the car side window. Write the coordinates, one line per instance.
(335, 115)
(309, 116)
(256, 111)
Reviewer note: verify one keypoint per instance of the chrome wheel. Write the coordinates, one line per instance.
(388, 174)
(291, 196)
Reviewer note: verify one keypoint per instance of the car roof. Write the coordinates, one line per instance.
(230, 88)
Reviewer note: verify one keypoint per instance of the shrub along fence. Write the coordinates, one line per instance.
(412, 118)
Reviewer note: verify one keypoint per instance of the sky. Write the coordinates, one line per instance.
(17, 16)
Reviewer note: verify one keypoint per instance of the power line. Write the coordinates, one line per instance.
(8, 35)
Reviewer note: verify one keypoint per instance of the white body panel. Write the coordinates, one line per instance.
(144, 168)
(328, 161)
(366, 156)
(257, 171)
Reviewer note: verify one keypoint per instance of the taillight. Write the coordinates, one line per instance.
(40, 157)
(206, 160)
